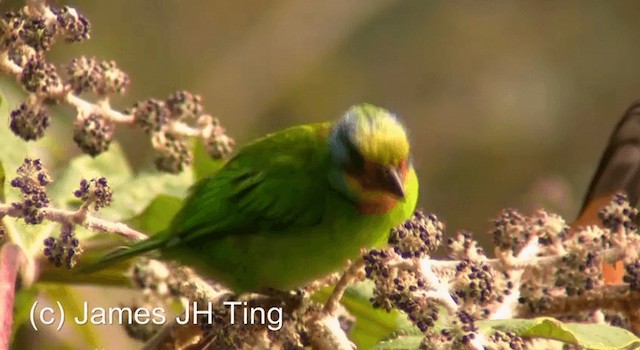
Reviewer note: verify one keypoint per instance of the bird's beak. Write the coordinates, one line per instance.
(393, 183)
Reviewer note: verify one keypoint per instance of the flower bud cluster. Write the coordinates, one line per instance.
(27, 34)
(418, 237)
(31, 181)
(463, 246)
(103, 78)
(510, 231)
(96, 192)
(38, 29)
(29, 120)
(64, 249)
(163, 119)
(397, 283)
(93, 133)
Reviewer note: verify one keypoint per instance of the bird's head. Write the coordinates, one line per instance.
(370, 151)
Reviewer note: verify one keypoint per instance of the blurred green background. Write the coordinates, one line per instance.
(508, 103)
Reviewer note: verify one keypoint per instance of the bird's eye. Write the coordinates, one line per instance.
(355, 162)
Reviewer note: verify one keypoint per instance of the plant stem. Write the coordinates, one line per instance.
(11, 259)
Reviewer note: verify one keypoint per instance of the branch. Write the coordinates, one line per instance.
(90, 222)
(326, 334)
(614, 298)
(350, 275)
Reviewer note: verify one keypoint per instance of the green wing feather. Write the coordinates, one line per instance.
(276, 182)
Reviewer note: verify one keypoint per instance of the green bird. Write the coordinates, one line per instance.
(294, 205)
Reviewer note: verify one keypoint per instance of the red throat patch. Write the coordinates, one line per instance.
(378, 205)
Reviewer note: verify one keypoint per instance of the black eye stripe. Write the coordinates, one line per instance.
(355, 164)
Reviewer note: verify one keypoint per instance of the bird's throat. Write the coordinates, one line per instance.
(377, 204)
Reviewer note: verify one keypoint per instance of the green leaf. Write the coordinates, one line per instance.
(111, 164)
(203, 165)
(372, 325)
(71, 304)
(158, 214)
(132, 192)
(14, 148)
(586, 335)
(133, 196)
(22, 302)
(402, 342)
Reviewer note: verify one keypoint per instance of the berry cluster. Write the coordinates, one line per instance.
(175, 154)
(506, 340)
(580, 269)
(619, 214)
(38, 28)
(27, 34)
(64, 249)
(463, 246)
(94, 191)
(534, 296)
(161, 283)
(551, 229)
(40, 77)
(397, 283)
(474, 283)
(632, 275)
(29, 121)
(93, 133)
(31, 181)
(461, 332)
(418, 237)
(510, 231)
(163, 119)
(100, 77)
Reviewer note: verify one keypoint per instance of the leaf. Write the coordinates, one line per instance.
(372, 325)
(158, 214)
(203, 165)
(586, 335)
(111, 164)
(132, 192)
(22, 302)
(402, 342)
(71, 305)
(133, 196)
(15, 149)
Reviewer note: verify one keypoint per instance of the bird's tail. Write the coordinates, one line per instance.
(124, 253)
(618, 171)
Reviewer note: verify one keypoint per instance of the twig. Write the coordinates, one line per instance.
(90, 222)
(613, 298)
(326, 334)
(65, 94)
(440, 290)
(347, 278)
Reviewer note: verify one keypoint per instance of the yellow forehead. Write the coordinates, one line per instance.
(379, 136)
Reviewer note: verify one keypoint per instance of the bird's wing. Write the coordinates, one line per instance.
(277, 182)
(619, 168)
(618, 171)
